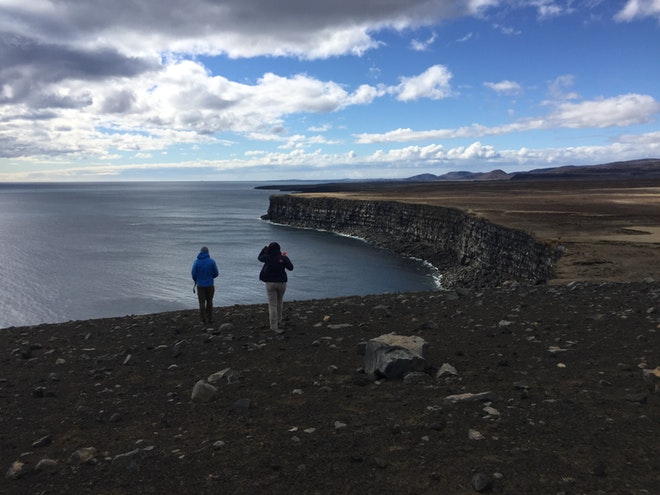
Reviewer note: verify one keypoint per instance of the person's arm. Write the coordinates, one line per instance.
(262, 255)
(215, 270)
(193, 272)
(287, 263)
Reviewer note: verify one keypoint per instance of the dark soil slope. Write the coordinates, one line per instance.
(104, 406)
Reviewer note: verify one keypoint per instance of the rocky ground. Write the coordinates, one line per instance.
(556, 384)
(563, 377)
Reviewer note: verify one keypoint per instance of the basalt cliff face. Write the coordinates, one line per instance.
(469, 251)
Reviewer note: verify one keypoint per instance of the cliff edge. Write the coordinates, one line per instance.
(468, 250)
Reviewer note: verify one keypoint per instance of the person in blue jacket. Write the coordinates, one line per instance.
(273, 273)
(204, 270)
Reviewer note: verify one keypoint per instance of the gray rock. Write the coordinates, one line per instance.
(15, 471)
(232, 376)
(446, 369)
(46, 466)
(43, 441)
(132, 460)
(226, 327)
(467, 397)
(204, 392)
(86, 455)
(393, 356)
(481, 482)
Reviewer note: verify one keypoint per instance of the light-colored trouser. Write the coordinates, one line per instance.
(275, 292)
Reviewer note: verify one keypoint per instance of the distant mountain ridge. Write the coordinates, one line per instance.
(629, 169)
(633, 169)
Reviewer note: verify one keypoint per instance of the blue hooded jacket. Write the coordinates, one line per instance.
(204, 270)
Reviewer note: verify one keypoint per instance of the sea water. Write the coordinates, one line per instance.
(90, 250)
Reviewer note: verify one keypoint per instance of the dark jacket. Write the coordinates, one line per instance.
(275, 264)
(204, 270)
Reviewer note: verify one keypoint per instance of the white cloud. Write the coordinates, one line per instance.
(83, 81)
(433, 83)
(620, 111)
(505, 87)
(180, 103)
(420, 46)
(559, 86)
(394, 162)
(635, 9)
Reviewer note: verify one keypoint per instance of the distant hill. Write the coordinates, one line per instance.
(616, 170)
(462, 175)
(633, 169)
(629, 169)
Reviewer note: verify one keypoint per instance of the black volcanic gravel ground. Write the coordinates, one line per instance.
(107, 403)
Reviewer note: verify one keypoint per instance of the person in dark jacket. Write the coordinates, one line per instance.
(273, 273)
(204, 270)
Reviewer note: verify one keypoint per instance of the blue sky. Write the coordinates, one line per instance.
(300, 89)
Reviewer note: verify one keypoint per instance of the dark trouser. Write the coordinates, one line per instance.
(205, 296)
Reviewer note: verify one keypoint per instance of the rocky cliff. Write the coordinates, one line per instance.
(469, 251)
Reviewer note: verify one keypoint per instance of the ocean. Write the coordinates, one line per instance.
(80, 251)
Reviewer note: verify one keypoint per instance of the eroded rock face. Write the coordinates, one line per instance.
(469, 251)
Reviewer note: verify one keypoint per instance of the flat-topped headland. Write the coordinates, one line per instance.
(584, 229)
(468, 251)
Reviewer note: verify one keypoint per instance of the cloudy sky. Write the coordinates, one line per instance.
(265, 90)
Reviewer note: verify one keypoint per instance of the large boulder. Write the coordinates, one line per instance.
(393, 356)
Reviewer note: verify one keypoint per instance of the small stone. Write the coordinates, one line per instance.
(226, 327)
(475, 435)
(203, 392)
(85, 455)
(481, 482)
(43, 441)
(467, 397)
(15, 471)
(446, 369)
(46, 466)
(131, 460)
(232, 376)
(639, 398)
